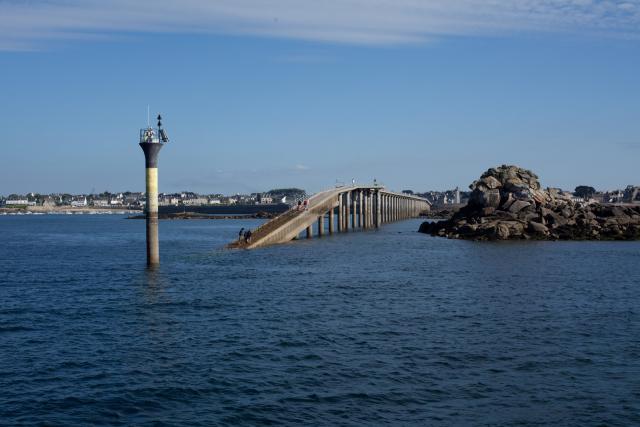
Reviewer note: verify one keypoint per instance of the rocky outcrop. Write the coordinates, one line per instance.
(508, 203)
(439, 213)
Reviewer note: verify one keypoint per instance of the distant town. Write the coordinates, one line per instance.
(290, 196)
(137, 200)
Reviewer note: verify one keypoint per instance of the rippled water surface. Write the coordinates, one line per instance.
(387, 327)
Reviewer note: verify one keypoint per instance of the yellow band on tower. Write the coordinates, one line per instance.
(152, 189)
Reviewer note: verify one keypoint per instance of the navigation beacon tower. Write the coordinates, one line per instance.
(151, 141)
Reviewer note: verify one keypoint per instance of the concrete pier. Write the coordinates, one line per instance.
(348, 208)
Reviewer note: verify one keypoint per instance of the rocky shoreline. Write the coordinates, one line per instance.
(439, 213)
(507, 203)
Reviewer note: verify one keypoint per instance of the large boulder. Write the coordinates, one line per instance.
(507, 202)
(502, 186)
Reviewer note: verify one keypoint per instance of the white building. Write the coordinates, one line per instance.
(79, 202)
(20, 202)
(198, 201)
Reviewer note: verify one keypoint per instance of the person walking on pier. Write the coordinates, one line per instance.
(247, 236)
(240, 234)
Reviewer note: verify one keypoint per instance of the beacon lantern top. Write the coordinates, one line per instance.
(149, 135)
(154, 135)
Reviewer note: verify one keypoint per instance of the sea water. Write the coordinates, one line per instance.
(366, 328)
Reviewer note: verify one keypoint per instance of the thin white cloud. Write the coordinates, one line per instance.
(29, 24)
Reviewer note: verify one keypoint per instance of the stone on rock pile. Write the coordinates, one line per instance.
(507, 202)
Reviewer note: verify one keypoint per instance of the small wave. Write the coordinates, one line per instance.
(5, 329)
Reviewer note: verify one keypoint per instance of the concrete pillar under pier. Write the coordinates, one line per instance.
(386, 208)
(378, 209)
(365, 207)
(320, 225)
(332, 219)
(340, 214)
(354, 224)
(392, 214)
(354, 205)
(309, 232)
(343, 224)
(371, 209)
(360, 205)
(374, 212)
(347, 217)
(391, 209)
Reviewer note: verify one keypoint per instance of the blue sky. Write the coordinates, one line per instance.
(262, 94)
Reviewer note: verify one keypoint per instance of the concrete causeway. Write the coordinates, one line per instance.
(347, 208)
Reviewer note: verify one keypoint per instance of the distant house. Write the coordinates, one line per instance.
(132, 200)
(196, 201)
(616, 196)
(229, 201)
(264, 199)
(632, 194)
(79, 202)
(577, 199)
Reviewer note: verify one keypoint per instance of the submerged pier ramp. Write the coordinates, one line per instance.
(340, 209)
